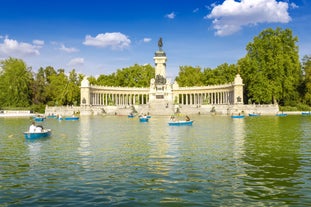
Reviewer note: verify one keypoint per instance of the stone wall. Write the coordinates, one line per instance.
(15, 113)
(164, 110)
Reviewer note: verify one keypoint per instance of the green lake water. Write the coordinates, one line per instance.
(118, 161)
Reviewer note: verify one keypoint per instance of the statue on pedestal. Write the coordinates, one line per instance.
(160, 44)
(160, 80)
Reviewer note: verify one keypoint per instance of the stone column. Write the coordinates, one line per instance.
(238, 90)
(160, 63)
(85, 93)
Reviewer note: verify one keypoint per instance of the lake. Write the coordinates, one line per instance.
(118, 161)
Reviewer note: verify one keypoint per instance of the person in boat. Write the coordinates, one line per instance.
(39, 128)
(187, 118)
(173, 118)
(32, 127)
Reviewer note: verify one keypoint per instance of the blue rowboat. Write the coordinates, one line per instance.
(143, 119)
(306, 113)
(38, 119)
(36, 135)
(71, 118)
(253, 114)
(180, 123)
(237, 116)
(282, 114)
(130, 116)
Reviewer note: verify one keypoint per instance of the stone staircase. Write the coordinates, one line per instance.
(160, 108)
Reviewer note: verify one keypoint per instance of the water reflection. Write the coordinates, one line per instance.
(116, 161)
(34, 149)
(84, 148)
(238, 133)
(162, 150)
(272, 161)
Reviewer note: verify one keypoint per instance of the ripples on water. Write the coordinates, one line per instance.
(116, 161)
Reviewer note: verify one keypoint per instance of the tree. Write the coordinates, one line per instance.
(106, 80)
(48, 72)
(271, 68)
(306, 67)
(57, 88)
(134, 76)
(64, 90)
(15, 83)
(222, 74)
(38, 87)
(73, 90)
(189, 76)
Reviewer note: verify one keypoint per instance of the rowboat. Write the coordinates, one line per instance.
(306, 113)
(281, 114)
(237, 116)
(38, 119)
(254, 114)
(73, 118)
(180, 123)
(143, 119)
(130, 116)
(36, 135)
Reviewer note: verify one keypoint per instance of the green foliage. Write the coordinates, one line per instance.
(20, 87)
(106, 80)
(190, 76)
(224, 73)
(271, 68)
(298, 107)
(134, 76)
(92, 80)
(38, 87)
(38, 108)
(306, 68)
(15, 82)
(64, 90)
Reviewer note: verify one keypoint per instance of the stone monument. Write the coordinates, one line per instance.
(160, 87)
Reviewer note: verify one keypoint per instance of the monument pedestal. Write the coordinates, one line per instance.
(160, 94)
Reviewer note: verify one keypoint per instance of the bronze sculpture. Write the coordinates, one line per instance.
(160, 43)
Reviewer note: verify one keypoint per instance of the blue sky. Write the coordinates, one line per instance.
(100, 36)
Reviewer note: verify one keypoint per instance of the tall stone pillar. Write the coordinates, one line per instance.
(85, 92)
(238, 90)
(160, 63)
(160, 89)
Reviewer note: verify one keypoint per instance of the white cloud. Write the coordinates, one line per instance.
(11, 47)
(195, 10)
(38, 42)
(230, 16)
(68, 49)
(171, 15)
(76, 62)
(147, 39)
(294, 6)
(115, 40)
